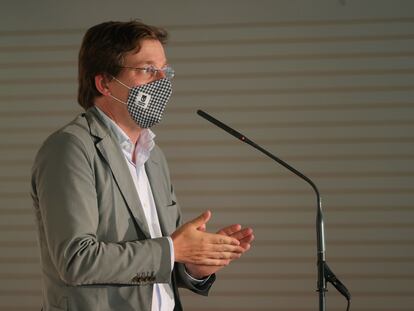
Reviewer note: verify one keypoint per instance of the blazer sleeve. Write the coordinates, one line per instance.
(64, 194)
(185, 282)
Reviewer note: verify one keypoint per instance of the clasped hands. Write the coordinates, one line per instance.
(205, 253)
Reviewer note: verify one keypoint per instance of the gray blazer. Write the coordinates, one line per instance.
(95, 246)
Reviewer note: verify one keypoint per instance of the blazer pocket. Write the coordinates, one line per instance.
(170, 216)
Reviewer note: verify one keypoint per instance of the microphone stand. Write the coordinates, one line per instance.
(324, 273)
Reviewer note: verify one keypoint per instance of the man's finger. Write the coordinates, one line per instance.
(229, 230)
(241, 234)
(214, 262)
(222, 239)
(202, 219)
(247, 239)
(246, 246)
(217, 248)
(224, 255)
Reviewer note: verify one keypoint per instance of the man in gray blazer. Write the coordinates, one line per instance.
(109, 225)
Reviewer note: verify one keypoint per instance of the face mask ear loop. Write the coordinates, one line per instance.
(118, 100)
(130, 88)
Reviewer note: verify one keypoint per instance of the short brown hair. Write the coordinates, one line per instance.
(103, 49)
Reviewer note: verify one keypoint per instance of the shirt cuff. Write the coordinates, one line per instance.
(195, 281)
(171, 252)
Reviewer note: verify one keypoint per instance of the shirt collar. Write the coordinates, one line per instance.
(145, 141)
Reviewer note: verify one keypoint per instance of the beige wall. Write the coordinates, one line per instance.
(328, 87)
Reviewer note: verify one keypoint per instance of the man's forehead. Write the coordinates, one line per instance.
(148, 51)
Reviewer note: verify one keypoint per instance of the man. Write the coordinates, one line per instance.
(109, 225)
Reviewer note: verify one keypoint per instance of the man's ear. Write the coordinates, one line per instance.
(101, 84)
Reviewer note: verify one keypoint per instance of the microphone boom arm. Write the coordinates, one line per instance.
(323, 269)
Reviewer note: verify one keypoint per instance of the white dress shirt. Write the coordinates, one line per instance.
(163, 295)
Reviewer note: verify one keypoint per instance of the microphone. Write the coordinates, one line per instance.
(324, 273)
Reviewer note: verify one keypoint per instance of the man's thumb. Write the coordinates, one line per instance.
(202, 219)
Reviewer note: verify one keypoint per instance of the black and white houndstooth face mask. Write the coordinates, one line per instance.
(146, 102)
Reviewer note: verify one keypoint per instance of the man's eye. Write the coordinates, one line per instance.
(150, 69)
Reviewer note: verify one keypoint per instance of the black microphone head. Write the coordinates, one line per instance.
(201, 113)
(220, 124)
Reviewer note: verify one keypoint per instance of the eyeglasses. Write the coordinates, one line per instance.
(152, 71)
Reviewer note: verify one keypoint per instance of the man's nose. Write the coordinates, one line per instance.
(160, 74)
(157, 75)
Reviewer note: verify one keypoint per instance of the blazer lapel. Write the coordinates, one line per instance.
(112, 153)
